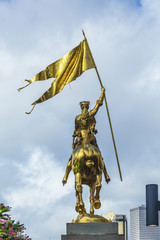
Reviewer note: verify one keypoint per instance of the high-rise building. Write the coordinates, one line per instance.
(122, 222)
(138, 228)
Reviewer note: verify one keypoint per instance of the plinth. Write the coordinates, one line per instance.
(93, 231)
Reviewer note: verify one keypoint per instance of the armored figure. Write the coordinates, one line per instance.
(86, 160)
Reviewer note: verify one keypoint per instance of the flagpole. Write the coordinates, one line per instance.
(115, 149)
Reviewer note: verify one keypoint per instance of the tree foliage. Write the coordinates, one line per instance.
(9, 229)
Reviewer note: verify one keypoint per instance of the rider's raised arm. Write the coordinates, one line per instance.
(99, 103)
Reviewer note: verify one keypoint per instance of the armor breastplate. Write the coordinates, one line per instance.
(84, 123)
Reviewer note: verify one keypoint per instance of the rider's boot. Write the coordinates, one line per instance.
(68, 169)
(107, 178)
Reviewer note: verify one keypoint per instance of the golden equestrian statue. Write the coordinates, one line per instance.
(86, 160)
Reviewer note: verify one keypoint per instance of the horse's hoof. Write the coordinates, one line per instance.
(97, 204)
(82, 209)
(81, 206)
(92, 211)
(77, 208)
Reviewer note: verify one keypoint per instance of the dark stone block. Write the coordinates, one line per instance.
(92, 228)
(92, 231)
(93, 237)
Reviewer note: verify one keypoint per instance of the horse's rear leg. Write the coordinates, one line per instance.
(97, 203)
(77, 203)
(92, 190)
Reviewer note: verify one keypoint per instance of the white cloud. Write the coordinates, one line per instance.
(41, 182)
(39, 193)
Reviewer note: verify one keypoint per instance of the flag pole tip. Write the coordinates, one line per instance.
(83, 33)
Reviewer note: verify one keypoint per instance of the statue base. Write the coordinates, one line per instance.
(89, 218)
(80, 229)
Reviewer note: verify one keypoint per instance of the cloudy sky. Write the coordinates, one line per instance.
(124, 37)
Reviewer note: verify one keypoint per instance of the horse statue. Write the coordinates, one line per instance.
(86, 160)
(87, 165)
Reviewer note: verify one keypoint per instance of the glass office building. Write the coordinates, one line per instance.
(138, 228)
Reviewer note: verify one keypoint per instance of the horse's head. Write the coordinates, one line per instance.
(89, 163)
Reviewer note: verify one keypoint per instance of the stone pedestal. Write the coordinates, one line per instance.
(92, 231)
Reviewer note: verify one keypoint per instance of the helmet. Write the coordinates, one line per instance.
(84, 104)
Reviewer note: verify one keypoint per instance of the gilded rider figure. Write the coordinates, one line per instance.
(85, 132)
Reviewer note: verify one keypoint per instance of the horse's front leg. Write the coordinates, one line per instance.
(78, 185)
(92, 190)
(97, 203)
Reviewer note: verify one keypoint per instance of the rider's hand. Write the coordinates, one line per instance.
(103, 89)
(64, 181)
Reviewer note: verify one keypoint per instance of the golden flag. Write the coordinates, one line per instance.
(65, 70)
